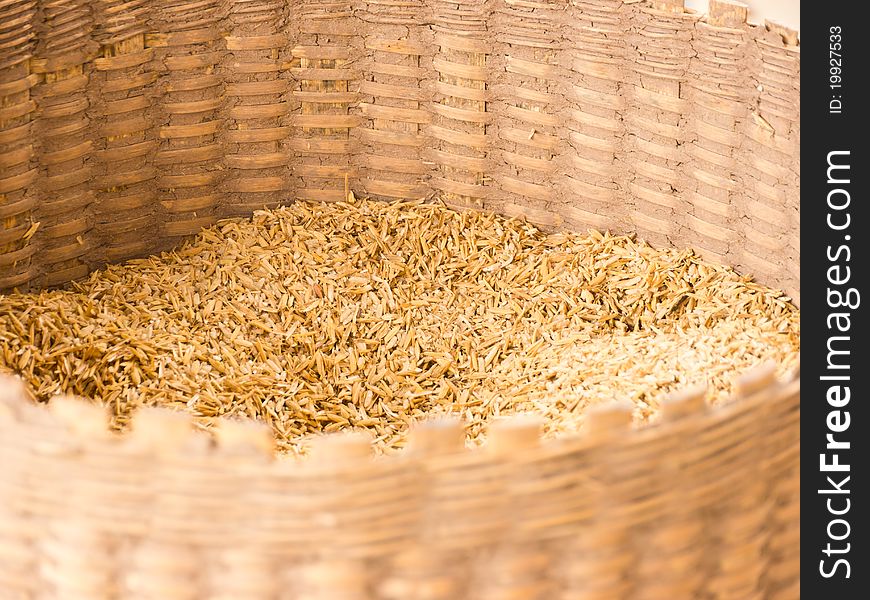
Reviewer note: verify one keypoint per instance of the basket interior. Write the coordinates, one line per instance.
(123, 131)
(128, 125)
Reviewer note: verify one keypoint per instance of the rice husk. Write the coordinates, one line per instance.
(318, 317)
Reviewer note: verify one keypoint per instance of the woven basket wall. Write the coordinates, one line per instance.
(126, 125)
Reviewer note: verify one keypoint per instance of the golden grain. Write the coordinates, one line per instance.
(319, 317)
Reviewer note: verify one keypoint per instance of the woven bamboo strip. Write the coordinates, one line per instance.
(324, 68)
(17, 153)
(770, 157)
(717, 82)
(188, 49)
(257, 111)
(63, 61)
(126, 205)
(614, 513)
(594, 72)
(395, 94)
(461, 54)
(528, 94)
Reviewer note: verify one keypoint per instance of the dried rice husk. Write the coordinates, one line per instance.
(368, 315)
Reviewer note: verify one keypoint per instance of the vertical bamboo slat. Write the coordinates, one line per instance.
(529, 136)
(335, 568)
(594, 89)
(325, 71)
(92, 571)
(395, 98)
(717, 83)
(519, 565)
(460, 515)
(592, 564)
(63, 60)
(125, 142)
(190, 156)
(737, 503)
(18, 167)
(165, 558)
(673, 549)
(242, 568)
(782, 462)
(257, 165)
(459, 138)
(429, 573)
(661, 39)
(769, 154)
(18, 536)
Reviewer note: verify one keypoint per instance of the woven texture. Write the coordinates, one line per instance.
(704, 504)
(126, 125)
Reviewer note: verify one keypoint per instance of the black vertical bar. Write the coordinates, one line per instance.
(834, 253)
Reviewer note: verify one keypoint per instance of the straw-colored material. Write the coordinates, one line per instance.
(324, 316)
(126, 125)
(703, 504)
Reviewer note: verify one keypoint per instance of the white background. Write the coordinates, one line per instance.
(785, 12)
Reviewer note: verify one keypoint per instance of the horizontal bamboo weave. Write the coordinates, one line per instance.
(703, 505)
(126, 125)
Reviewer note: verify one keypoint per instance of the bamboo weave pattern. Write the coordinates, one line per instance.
(703, 505)
(126, 125)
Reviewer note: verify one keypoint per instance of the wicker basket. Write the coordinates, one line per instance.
(126, 125)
